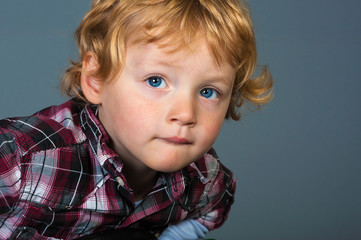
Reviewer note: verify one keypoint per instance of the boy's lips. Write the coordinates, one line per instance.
(176, 140)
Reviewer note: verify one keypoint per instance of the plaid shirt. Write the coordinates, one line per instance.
(59, 179)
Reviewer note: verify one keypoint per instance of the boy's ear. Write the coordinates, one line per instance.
(90, 85)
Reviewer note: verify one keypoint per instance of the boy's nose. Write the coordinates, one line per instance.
(183, 111)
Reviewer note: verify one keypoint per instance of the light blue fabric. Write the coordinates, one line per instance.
(137, 203)
(187, 230)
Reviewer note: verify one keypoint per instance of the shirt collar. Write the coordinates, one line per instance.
(99, 139)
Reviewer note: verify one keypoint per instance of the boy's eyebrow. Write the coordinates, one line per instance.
(165, 63)
(172, 64)
(166, 60)
(210, 76)
(226, 82)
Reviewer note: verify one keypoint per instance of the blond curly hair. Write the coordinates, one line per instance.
(226, 25)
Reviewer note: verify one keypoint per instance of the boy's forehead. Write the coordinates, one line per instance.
(167, 53)
(172, 46)
(171, 41)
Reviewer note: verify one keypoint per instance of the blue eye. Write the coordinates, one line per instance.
(156, 82)
(209, 93)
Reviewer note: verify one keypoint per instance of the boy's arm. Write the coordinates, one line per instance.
(219, 195)
(9, 171)
(213, 208)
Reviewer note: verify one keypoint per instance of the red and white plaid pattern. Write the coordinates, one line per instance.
(60, 180)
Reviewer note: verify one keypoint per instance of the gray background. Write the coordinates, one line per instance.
(297, 160)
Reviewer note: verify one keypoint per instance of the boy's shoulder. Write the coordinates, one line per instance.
(53, 127)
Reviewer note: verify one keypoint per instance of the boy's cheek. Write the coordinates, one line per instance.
(209, 132)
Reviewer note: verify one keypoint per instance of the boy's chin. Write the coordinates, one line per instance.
(167, 168)
(169, 165)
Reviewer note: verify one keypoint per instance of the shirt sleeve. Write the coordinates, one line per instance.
(9, 172)
(217, 197)
(216, 213)
(186, 230)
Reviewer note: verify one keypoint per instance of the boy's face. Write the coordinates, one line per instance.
(166, 109)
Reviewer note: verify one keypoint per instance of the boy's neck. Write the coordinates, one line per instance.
(140, 179)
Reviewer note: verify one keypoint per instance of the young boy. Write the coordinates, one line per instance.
(133, 148)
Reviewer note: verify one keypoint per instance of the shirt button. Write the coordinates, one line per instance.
(120, 181)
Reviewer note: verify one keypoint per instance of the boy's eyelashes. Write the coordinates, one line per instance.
(210, 93)
(157, 81)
